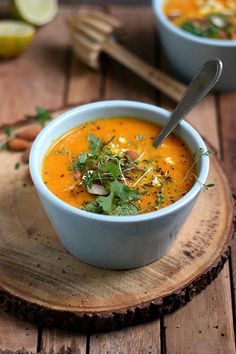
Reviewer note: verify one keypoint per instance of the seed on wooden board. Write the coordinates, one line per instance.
(17, 144)
(29, 133)
(25, 156)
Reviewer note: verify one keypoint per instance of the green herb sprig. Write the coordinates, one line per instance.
(101, 166)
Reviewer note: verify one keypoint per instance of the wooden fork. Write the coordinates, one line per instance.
(93, 32)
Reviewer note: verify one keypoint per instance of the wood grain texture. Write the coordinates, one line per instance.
(227, 107)
(37, 77)
(143, 339)
(24, 84)
(42, 282)
(57, 341)
(205, 326)
(84, 84)
(17, 335)
(120, 82)
(204, 119)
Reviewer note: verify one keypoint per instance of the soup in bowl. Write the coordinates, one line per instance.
(194, 31)
(114, 200)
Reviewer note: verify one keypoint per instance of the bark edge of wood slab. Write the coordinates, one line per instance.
(42, 283)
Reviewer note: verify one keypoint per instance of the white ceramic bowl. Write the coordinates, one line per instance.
(187, 52)
(115, 242)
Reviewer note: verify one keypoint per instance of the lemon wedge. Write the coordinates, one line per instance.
(36, 12)
(15, 37)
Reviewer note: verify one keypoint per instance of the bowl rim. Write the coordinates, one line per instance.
(157, 6)
(42, 189)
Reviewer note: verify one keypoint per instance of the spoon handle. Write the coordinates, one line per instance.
(202, 83)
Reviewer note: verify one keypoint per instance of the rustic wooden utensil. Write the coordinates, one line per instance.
(93, 33)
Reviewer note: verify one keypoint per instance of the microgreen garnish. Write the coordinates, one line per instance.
(42, 115)
(120, 178)
(101, 166)
(160, 199)
(206, 187)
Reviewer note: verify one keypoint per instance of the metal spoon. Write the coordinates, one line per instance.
(202, 83)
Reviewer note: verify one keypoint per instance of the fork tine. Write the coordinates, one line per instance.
(88, 53)
(89, 31)
(87, 43)
(106, 18)
(96, 24)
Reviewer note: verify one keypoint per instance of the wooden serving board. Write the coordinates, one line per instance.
(41, 282)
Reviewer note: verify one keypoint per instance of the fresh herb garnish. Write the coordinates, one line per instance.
(160, 199)
(206, 187)
(95, 143)
(17, 165)
(101, 166)
(42, 115)
(140, 137)
(217, 26)
(126, 209)
(8, 131)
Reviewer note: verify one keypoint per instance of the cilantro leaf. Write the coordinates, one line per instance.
(94, 142)
(126, 209)
(42, 115)
(113, 169)
(106, 202)
(92, 207)
(124, 194)
(80, 161)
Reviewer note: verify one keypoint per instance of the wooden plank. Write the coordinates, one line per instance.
(25, 84)
(38, 76)
(204, 118)
(83, 86)
(56, 341)
(143, 339)
(121, 83)
(17, 335)
(205, 325)
(227, 107)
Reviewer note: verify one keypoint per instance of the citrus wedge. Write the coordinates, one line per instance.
(36, 12)
(15, 37)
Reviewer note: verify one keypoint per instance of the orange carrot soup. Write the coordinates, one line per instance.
(109, 166)
(205, 18)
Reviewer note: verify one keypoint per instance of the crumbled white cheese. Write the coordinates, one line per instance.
(155, 181)
(169, 160)
(122, 140)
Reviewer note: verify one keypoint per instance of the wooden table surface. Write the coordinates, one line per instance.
(49, 75)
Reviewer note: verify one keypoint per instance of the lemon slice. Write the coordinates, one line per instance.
(36, 12)
(15, 37)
